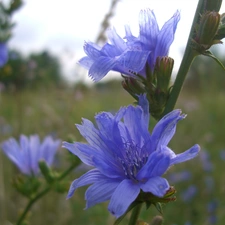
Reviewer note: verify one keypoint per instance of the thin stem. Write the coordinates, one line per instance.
(187, 60)
(135, 213)
(30, 203)
(42, 193)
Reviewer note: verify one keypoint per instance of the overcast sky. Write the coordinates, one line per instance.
(61, 26)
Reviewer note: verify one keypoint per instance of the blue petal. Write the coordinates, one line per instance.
(148, 29)
(158, 186)
(156, 165)
(90, 177)
(91, 134)
(124, 195)
(110, 132)
(83, 151)
(134, 120)
(134, 60)
(101, 67)
(187, 155)
(110, 50)
(165, 128)
(92, 50)
(3, 54)
(143, 102)
(116, 40)
(48, 148)
(86, 62)
(100, 191)
(35, 153)
(12, 149)
(129, 36)
(166, 36)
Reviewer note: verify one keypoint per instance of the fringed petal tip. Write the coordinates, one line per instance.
(187, 155)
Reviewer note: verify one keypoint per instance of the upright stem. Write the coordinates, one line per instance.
(187, 60)
(135, 213)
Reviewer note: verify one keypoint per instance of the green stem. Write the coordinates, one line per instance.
(135, 213)
(41, 194)
(187, 60)
(31, 202)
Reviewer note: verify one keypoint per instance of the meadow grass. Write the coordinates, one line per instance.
(55, 111)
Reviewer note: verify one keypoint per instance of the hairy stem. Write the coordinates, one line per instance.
(187, 60)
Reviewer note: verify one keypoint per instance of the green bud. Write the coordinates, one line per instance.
(162, 72)
(46, 171)
(221, 30)
(207, 29)
(133, 86)
(157, 220)
(212, 5)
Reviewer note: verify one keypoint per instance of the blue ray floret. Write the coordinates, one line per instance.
(125, 157)
(3, 54)
(29, 151)
(130, 54)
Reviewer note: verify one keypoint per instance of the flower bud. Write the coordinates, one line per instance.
(207, 29)
(157, 220)
(133, 86)
(163, 71)
(46, 171)
(221, 30)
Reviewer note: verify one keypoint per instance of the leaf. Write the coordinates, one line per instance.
(158, 206)
(209, 54)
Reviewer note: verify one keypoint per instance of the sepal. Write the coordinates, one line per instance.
(206, 31)
(26, 185)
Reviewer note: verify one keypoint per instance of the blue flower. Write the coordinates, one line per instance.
(125, 156)
(3, 54)
(130, 55)
(29, 151)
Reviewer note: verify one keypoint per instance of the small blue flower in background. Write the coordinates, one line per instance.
(206, 161)
(131, 55)
(3, 54)
(189, 193)
(177, 177)
(29, 151)
(125, 156)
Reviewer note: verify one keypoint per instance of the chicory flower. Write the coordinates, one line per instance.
(125, 156)
(130, 55)
(29, 151)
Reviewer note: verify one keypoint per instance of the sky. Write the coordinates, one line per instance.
(62, 26)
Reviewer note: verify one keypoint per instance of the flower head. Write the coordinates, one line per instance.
(130, 55)
(3, 54)
(29, 151)
(125, 156)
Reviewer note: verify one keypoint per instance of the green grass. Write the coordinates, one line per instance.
(55, 111)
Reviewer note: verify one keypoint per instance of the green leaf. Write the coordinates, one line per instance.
(209, 54)
(158, 206)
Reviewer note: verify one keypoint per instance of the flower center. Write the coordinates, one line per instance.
(133, 159)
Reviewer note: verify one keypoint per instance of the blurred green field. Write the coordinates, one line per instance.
(55, 111)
